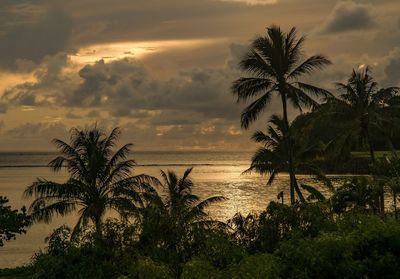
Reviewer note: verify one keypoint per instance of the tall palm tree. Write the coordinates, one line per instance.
(172, 221)
(272, 157)
(275, 65)
(99, 180)
(364, 107)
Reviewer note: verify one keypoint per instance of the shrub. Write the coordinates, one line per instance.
(199, 269)
(363, 247)
(260, 266)
(145, 268)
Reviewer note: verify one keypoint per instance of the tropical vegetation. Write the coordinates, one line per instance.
(136, 226)
(275, 66)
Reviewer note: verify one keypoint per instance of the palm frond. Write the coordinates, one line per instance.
(315, 194)
(251, 112)
(247, 88)
(311, 64)
(211, 200)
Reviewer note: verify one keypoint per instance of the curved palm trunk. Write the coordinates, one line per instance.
(98, 235)
(371, 150)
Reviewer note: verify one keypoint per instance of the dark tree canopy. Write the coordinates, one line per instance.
(12, 221)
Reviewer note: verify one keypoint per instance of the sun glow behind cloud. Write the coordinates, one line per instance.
(119, 50)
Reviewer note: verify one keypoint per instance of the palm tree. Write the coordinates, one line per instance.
(171, 223)
(275, 65)
(99, 180)
(272, 157)
(364, 107)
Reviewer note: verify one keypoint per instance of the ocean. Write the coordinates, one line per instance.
(214, 173)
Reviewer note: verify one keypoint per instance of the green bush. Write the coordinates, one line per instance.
(199, 269)
(85, 263)
(220, 251)
(327, 256)
(24, 272)
(260, 266)
(363, 247)
(145, 268)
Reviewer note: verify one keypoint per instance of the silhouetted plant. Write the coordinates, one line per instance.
(364, 108)
(173, 224)
(272, 157)
(264, 232)
(12, 221)
(100, 179)
(275, 65)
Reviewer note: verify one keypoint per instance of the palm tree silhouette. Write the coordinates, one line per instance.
(364, 107)
(272, 157)
(99, 180)
(172, 221)
(274, 64)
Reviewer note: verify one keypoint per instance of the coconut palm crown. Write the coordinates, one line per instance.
(180, 203)
(364, 107)
(275, 66)
(272, 157)
(99, 180)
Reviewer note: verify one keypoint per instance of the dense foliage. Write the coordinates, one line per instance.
(284, 241)
(12, 221)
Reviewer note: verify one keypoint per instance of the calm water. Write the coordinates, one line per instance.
(215, 173)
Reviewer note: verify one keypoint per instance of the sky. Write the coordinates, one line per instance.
(162, 70)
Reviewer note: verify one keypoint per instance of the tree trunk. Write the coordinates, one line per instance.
(97, 234)
(298, 191)
(293, 182)
(371, 148)
(371, 153)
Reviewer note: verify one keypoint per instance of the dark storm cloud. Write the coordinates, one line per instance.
(30, 31)
(349, 16)
(33, 29)
(50, 81)
(154, 19)
(125, 86)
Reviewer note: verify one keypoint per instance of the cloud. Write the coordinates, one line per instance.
(392, 69)
(127, 89)
(49, 80)
(32, 32)
(349, 16)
